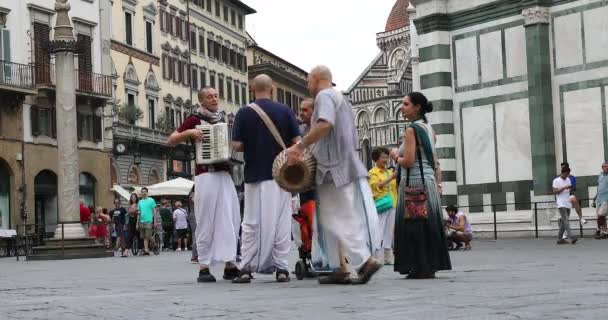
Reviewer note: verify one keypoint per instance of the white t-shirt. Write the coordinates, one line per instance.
(562, 198)
(181, 219)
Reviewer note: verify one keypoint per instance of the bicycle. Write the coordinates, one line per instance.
(156, 243)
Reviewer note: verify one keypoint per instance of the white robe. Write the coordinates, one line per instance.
(345, 215)
(218, 218)
(386, 224)
(266, 236)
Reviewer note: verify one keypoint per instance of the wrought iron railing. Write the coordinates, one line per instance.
(85, 81)
(16, 75)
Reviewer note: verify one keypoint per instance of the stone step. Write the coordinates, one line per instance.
(69, 242)
(83, 248)
(67, 256)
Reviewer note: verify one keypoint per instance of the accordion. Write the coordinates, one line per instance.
(215, 148)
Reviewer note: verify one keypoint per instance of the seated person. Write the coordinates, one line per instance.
(459, 228)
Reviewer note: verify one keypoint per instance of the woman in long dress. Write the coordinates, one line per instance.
(420, 247)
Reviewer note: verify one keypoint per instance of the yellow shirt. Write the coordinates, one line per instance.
(376, 176)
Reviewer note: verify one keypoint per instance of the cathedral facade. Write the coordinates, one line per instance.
(377, 93)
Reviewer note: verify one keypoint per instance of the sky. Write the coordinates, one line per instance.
(338, 33)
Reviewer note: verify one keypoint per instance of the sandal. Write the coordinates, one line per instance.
(367, 271)
(284, 273)
(231, 273)
(243, 277)
(338, 277)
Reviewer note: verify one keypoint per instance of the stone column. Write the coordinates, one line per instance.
(63, 46)
(540, 98)
(411, 11)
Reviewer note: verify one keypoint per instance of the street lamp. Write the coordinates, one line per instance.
(137, 158)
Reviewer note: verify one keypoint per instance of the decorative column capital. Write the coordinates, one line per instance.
(536, 15)
(63, 26)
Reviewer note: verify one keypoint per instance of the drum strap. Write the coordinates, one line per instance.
(269, 124)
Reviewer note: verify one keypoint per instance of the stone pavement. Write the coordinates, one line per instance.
(508, 279)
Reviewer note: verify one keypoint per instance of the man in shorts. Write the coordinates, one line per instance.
(573, 200)
(146, 220)
(601, 202)
(180, 217)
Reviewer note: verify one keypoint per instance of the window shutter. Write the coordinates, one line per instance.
(34, 121)
(162, 21)
(54, 123)
(6, 39)
(80, 119)
(97, 132)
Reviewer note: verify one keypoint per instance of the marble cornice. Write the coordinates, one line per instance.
(136, 53)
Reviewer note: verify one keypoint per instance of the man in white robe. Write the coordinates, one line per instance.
(216, 204)
(346, 210)
(266, 230)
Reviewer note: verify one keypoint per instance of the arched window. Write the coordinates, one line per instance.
(133, 175)
(380, 115)
(363, 119)
(87, 188)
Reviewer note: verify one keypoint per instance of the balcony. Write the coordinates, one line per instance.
(87, 83)
(141, 134)
(17, 77)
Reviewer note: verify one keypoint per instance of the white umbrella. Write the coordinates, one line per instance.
(175, 187)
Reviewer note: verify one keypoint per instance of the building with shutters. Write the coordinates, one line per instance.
(290, 82)
(28, 153)
(376, 95)
(218, 44)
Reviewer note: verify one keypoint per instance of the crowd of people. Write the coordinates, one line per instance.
(117, 228)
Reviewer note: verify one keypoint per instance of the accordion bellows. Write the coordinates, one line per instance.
(296, 178)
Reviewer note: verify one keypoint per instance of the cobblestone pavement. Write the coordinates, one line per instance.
(508, 279)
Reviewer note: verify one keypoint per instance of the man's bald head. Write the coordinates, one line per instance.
(319, 78)
(262, 84)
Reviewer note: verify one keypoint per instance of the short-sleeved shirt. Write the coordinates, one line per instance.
(181, 219)
(190, 123)
(336, 153)
(602, 189)
(260, 146)
(146, 210)
(563, 198)
(119, 215)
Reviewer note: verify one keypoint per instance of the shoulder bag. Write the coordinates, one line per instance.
(383, 204)
(415, 197)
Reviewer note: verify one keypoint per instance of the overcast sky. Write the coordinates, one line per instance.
(338, 33)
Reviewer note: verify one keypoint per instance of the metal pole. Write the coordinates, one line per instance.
(536, 219)
(62, 236)
(495, 230)
(580, 224)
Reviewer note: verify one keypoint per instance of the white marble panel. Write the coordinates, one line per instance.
(450, 188)
(447, 164)
(440, 117)
(445, 141)
(515, 51)
(438, 93)
(433, 38)
(466, 61)
(492, 91)
(463, 201)
(487, 202)
(490, 47)
(478, 138)
(596, 40)
(510, 197)
(513, 140)
(437, 65)
(568, 40)
(584, 137)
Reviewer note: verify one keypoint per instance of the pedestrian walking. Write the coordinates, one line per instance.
(180, 218)
(146, 220)
(561, 188)
(420, 241)
(346, 211)
(601, 202)
(215, 201)
(120, 217)
(166, 217)
(267, 215)
(131, 223)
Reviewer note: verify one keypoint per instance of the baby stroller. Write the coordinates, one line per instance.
(305, 217)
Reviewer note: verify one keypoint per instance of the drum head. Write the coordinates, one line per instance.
(295, 178)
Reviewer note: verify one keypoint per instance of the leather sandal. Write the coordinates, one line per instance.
(367, 271)
(243, 277)
(285, 273)
(338, 277)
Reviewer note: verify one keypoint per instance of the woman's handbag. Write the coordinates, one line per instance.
(383, 204)
(415, 197)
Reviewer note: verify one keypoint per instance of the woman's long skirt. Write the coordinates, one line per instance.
(420, 245)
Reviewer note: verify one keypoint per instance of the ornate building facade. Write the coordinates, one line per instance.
(377, 93)
(29, 167)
